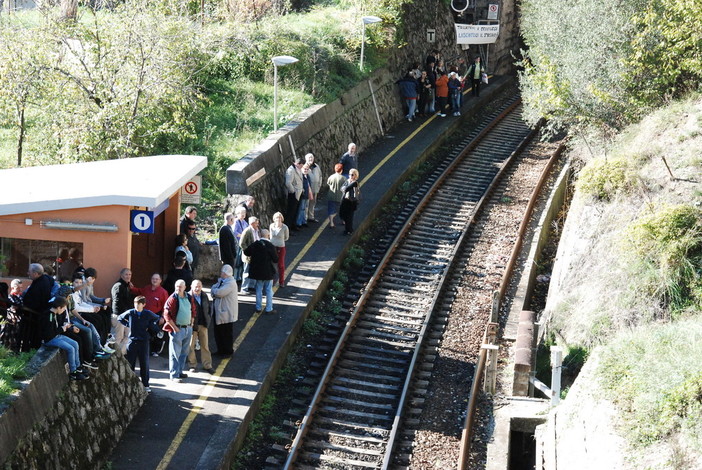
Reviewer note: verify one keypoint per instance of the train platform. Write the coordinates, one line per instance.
(199, 423)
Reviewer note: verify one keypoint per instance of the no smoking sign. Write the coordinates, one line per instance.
(492, 11)
(190, 192)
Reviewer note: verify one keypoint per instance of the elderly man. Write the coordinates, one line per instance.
(202, 323)
(180, 313)
(263, 260)
(35, 301)
(226, 311)
(349, 160)
(227, 241)
(248, 236)
(293, 185)
(156, 297)
(122, 300)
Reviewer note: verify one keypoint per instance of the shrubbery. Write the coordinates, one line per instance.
(669, 243)
(601, 63)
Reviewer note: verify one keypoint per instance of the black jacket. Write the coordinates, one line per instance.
(263, 256)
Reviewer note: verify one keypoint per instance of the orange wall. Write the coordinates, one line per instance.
(108, 252)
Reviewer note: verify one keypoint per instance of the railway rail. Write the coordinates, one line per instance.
(356, 412)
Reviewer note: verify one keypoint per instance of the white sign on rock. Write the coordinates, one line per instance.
(493, 8)
(477, 33)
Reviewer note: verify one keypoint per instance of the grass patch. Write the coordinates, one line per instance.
(655, 377)
(12, 369)
(668, 245)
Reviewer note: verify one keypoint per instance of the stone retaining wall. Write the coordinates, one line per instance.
(58, 424)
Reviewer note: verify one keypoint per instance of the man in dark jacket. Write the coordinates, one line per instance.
(227, 241)
(122, 300)
(409, 89)
(35, 301)
(262, 269)
(202, 323)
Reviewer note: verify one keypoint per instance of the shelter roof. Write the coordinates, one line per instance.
(140, 181)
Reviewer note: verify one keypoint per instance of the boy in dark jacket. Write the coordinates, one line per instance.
(52, 327)
(141, 324)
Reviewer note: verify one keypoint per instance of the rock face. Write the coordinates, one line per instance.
(57, 424)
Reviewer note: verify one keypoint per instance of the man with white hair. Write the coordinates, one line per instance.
(179, 313)
(36, 299)
(226, 311)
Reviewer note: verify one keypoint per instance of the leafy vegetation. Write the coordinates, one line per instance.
(12, 369)
(145, 78)
(614, 61)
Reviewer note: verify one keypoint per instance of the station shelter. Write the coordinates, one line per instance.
(117, 213)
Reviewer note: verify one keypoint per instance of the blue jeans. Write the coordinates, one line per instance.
(71, 348)
(97, 347)
(456, 100)
(302, 212)
(178, 350)
(412, 105)
(268, 287)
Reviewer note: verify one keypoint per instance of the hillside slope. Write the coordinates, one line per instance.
(627, 283)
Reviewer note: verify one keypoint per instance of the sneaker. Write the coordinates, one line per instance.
(258, 310)
(458, 113)
(90, 365)
(77, 376)
(176, 379)
(210, 370)
(108, 349)
(409, 119)
(154, 354)
(442, 115)
(183, 375)
(192, 369)
(102, 356)
(271, 311)
(147, 389)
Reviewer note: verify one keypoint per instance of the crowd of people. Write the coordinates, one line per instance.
(436, 86)
(61, 309)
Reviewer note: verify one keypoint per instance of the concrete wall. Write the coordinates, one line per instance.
(326, 130)
(57, 424)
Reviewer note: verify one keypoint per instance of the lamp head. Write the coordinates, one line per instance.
(281, 60)
(371, 19)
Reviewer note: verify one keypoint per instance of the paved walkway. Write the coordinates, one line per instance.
(195, 424)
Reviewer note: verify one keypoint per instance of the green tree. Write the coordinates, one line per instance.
(22, 66)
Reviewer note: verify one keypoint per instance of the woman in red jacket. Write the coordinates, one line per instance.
(442, 92)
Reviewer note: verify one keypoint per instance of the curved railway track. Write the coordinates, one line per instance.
(354, 416)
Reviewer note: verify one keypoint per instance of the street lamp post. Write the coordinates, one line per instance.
(280, 60)
(367, 20)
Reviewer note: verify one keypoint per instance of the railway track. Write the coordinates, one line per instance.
(354, 417)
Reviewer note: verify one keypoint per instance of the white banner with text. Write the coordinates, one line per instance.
(477, 33)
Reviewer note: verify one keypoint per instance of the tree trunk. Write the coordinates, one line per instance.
(69, 9)
(20, 140)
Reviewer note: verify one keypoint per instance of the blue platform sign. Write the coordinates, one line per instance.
(141, 221)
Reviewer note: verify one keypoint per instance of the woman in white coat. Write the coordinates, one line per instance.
(226, 310)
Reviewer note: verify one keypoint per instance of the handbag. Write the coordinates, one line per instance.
(484, 78)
